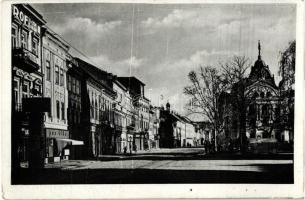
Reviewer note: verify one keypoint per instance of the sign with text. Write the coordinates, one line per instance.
(25, 19)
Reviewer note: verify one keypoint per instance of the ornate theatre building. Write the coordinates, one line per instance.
(267, 117)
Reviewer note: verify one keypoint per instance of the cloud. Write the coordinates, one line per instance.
(121, 67)
(176, 18)
(184, 18)
(86, 27)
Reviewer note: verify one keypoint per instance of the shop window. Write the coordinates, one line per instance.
(14, 36)
(24, 39)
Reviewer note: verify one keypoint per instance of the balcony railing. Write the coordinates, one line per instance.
(25, 59)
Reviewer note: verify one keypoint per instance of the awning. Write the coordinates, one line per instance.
(72, 142)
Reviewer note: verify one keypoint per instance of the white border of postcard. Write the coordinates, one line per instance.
(128, 191)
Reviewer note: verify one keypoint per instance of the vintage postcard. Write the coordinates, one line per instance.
(152, 99)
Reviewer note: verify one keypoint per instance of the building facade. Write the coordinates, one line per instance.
(76, 85)
(98, 99)
(264, 113)
(27, 77)
(140, 116)
(55, 66)
(120, 117)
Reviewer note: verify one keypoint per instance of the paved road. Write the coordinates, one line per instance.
(173, 166)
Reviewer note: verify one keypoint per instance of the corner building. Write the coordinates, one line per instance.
(26, 35)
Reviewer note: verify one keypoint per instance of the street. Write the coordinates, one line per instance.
(182, 165)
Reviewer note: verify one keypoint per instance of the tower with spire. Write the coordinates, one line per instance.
(260, 71)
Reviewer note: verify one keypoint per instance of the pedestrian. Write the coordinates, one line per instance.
(125, 150)
(135, 148)
(130, 149)
(206, 146)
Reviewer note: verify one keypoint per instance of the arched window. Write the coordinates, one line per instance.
(265, 114)
(91, 110)
(96, 110)
(262, 95)
(268, 94)
(252, 115)
(255, 95)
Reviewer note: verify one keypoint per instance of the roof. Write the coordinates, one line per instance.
(97, 74)
(118, 83)
(57, 38)
(132, 78)
(35, 13)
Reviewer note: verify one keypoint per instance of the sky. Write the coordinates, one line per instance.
(160, 44)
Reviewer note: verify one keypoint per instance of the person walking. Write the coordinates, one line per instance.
(125, 150)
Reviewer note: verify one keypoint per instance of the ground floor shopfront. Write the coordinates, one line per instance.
(59, 145)
(103, 140)
(56, 145)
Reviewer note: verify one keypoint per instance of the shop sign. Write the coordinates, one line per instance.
(25, 20)
(57, 133)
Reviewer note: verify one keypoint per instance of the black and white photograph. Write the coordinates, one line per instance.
(153, 93)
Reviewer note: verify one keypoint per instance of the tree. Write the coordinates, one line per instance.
(234, 75)
(287, 71)
(206, 85)
(287, 67)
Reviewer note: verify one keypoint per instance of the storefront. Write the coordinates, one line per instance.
(58, 145)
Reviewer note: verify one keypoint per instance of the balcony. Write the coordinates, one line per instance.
(26, 60)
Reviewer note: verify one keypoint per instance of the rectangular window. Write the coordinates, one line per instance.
(73, 85)
(61, 77)
(38, 89)
(63, 111)
(24, 39)
(57, 110)
(16, 91)
(25, 89)
(14, 36)
(69, 82)
(50, 113)
(48, 71)
(56, 75)
(35, 46)
(77, 87)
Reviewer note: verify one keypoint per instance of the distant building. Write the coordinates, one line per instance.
(153, 133)
(204, 130)
(120, 116)
(141, 106)
(176, 130)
